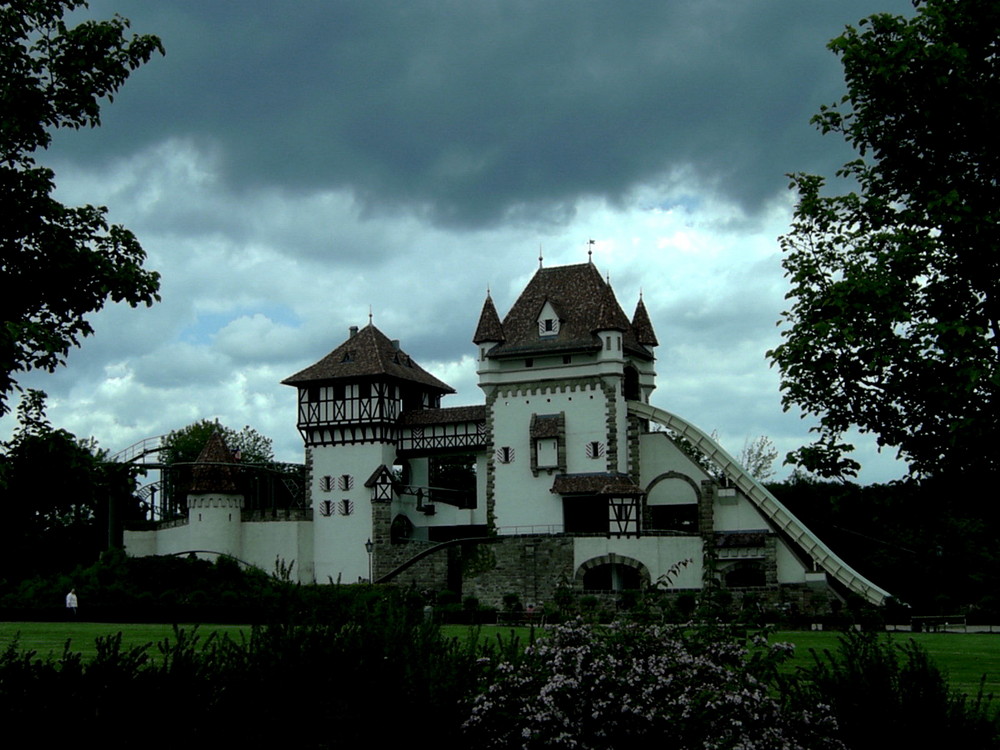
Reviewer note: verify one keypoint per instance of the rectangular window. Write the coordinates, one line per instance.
(547, 452)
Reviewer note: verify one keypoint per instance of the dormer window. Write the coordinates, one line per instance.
(548, 321)
(548, 327)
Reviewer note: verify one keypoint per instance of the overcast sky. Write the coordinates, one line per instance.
(288, 166)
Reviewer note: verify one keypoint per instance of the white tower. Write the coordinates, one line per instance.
(556, 373)
(349, 406)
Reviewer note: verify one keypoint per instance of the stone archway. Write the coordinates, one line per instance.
(612, 572)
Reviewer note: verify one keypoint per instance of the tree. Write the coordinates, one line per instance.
(55, 491)
(184, 445)
(894, 326)
(58, 264)
(757, 457)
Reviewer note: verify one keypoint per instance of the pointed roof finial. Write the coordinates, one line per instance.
(369, 314)
(539, 254)
(590, 251)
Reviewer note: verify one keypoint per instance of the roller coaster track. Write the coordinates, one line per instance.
(765, 502)
(139, 451)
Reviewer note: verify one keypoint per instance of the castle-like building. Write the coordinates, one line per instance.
(566, 477)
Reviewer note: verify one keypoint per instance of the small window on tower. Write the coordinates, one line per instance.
(548, 326)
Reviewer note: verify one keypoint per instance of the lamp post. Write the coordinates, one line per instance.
(368, 548)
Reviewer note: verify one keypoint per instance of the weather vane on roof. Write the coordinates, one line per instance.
(590, 251)
(369, 314)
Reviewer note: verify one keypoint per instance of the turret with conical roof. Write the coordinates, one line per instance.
(214, 500)
(490, 329)
(642, 326)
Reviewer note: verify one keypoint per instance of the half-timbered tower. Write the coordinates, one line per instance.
(349, 408)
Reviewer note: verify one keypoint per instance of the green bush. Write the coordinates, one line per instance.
(885, 695)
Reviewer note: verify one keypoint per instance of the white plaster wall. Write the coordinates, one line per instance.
(658, 554)
(790, 570)
(658, 454)
(737, 513)
(140, 543)
(173, 540)
(672, 491)
(265, 541)
(339, 540)
(522, 500)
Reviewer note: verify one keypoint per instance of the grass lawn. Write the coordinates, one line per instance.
(964, 657)
(51, 637)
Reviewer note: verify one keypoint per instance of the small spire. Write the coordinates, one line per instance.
(590, 251)
(539, 255)
(369, 314)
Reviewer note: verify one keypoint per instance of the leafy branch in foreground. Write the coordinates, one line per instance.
(58, 264)
(894, 326)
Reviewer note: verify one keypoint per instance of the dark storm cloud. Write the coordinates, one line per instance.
(472, 113)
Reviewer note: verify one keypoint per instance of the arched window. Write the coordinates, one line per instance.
(611, 577)
(401, 529)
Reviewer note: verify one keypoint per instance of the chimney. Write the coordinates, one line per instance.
(395, 345)
(353, 330)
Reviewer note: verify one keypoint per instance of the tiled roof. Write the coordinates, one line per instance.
(642, 326)
(489, 328)
(444, 416)
(208, 475)
(367, 353)
(546, 425)
(595, 484)
(380, 471)
(586, 304)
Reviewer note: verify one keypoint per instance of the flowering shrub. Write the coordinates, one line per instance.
(638, 686)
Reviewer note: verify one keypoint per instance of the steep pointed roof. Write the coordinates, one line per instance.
(489, 329)
(642, 326)
(585, 303)
(210, 474)
(367, 353)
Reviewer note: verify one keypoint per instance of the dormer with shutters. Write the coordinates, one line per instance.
(548, 321)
